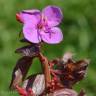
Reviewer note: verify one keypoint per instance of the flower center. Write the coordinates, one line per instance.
(42, 24)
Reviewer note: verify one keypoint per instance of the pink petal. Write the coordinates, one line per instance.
(31, 34)
(53, 14)
(30, 16)
(54, 37)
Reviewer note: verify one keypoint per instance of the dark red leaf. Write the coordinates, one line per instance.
(71, 71)
(29, 50)
(20, 70)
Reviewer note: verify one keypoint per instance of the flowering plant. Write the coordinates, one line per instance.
(59, 75)
(42, 26)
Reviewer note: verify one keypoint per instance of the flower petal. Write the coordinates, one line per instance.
(30, 16)
(31, 34)
(53, 37)
(54, 15)
(33, 11)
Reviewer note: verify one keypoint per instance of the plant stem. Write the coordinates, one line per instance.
(44, 61)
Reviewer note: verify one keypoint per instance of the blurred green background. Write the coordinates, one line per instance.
(79, 29)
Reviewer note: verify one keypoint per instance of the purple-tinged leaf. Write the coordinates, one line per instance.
(64, 92)
(20, 71)
(36, 83)
(29, 50)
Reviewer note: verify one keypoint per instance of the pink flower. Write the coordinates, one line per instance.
(42, 26)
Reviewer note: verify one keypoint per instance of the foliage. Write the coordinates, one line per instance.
(79, 37)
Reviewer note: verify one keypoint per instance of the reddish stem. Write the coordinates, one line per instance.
(45, 64)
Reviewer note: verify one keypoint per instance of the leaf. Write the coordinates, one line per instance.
(72, 71)
(64, 92)
(20, 71)
(29, 50)
(36, 83)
